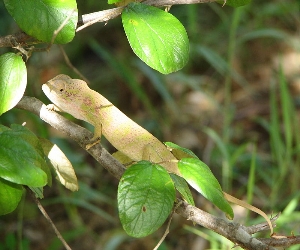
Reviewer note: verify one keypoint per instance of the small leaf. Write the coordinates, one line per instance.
(235, 3)
(10, 196)
(62, 166)
(40, 18)
(13, 80)
(113, 1)
(180, 152)
(38, 192)
(22, 158)
(120, 2)
(156, 37)
(183, 188)
(200, 177)
(146, 196)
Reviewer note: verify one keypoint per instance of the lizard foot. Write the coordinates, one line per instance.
(93, 143)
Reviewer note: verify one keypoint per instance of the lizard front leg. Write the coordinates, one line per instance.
(96, 138)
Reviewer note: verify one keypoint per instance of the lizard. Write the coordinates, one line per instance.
(76, 98)
(130, 139)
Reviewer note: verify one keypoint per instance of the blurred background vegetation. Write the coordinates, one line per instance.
(236, 105)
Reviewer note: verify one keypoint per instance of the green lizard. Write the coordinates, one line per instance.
(76, 98)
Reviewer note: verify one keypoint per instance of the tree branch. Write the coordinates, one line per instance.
(235, 232)
(88, 19)
(14, 40)
(105, 15)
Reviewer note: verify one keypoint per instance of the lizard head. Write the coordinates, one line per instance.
(66, 93)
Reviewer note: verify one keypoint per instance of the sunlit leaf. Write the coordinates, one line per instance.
(156, 37)
(200, 177)
(13, 80)
(40, 18)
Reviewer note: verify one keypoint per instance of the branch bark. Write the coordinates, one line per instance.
(13, 40)
(235, 232)
(105, 15)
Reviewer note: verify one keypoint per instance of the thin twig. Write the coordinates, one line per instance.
(43, 211)
(168, 226)
(100, 16)
(71, 66)
(56, 32)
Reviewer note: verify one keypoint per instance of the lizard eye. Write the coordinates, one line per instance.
(61, 90)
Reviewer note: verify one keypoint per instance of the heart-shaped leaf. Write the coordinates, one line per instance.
(146, 196)
(13, 80)
(156, 37)
(40, 18)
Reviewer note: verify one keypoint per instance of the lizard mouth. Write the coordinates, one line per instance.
(45, 89)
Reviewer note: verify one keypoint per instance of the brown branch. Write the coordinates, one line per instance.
(14, 40)
(232, 231)
(282, 241)
(105, 15)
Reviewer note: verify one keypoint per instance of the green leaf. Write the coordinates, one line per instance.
(38, 192)
(200, 177)
(22, 158)
(146, 196)
(10, 196)
(3, 128)
(183, 188)
(115, 1)
(61, 165)
(13, 80)
(156, 37)
(180, 152)
(40, 18)
(235, 3)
